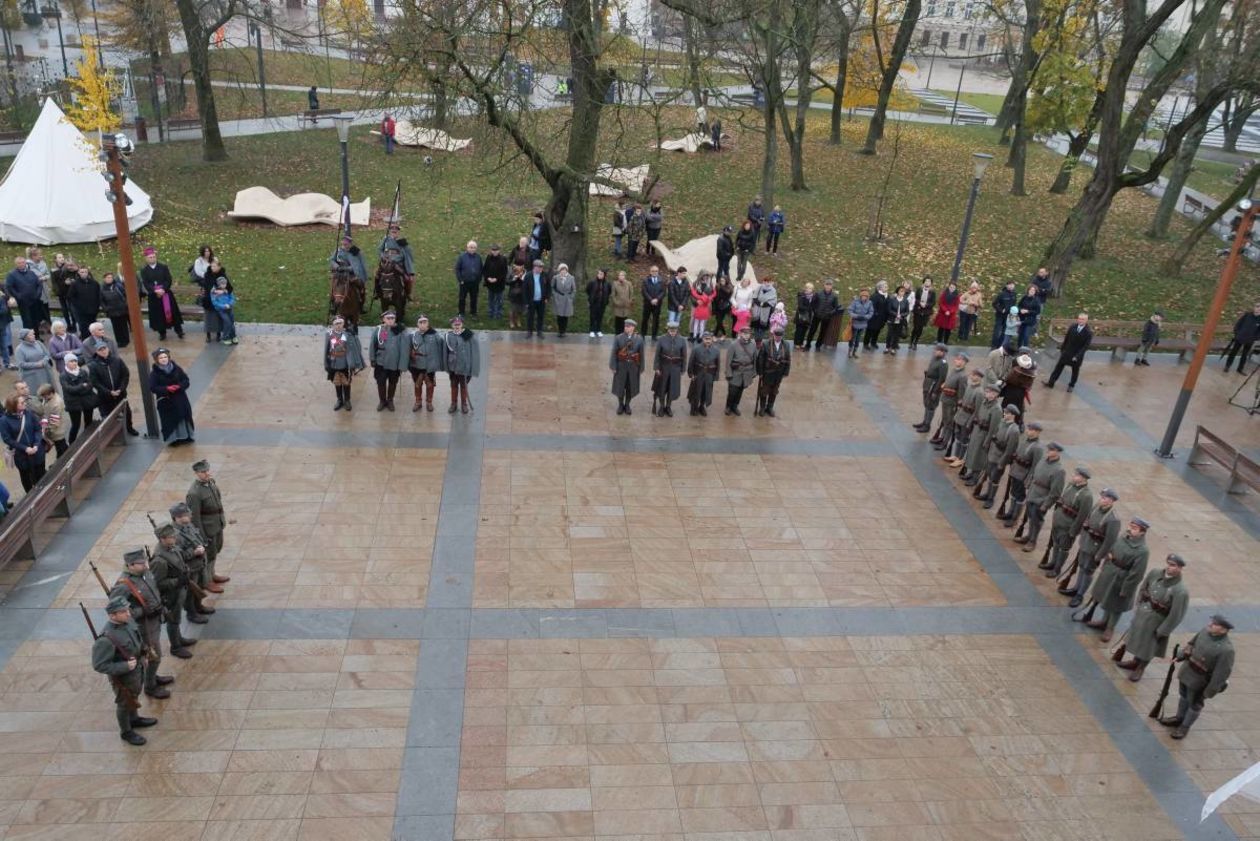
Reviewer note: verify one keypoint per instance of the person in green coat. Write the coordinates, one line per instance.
(205, 503)
(171, 575)
(191, 544)
(1118, 579)
(1070, 511)
(119, 654)
(988, 415)
(461, 359)
(1028, 453)
(972, 394)
(138, 586)
(1045, 483)
(951, 392)
(1098, 537)
(1003, 440)
(1208, 661)
(1162, 603)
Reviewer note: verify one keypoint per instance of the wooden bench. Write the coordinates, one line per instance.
(312, 115)
(8, 137)
(1194, 208)
(1120, 336)
(926, 107)
(51, 496)
(1243, 472)
(175, 124)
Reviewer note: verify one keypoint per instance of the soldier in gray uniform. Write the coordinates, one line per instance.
(706, 359)
(192, 548)
(933, 381)
(1028, 452)
(388, 355)
(964, 418)
(951, 393)
(1044, 486)
(1162, 603)
(343, 358)
(669, 362)
(119, 654)
(774, 363)
(348, 257)
(205, 504)
(1208, 662)
(462, 361)
(424, 360)
(138, 587)
(741, 368)
(1070, 510)
(1003, 440)
(394, 241)
(1119, 578)
(626, 363)
(1098, 538)
(171, 576)
(985, 421)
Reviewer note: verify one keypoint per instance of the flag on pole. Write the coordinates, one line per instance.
(395, 214)
(345, 215)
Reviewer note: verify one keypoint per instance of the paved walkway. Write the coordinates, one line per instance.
(544, 620)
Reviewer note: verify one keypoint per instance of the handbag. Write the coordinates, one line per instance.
(848, 332)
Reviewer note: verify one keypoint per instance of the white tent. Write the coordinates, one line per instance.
(697, 255)
(54, 191)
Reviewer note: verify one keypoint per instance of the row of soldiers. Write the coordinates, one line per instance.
(768, 362)
(156, 591)
(983, 435)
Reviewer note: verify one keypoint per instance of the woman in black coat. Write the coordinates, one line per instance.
(169, 385)
(879, 301)
(83, 295)
(922, 305)
(114, 302)
(598, 291)
(206, 283)
(79, 394)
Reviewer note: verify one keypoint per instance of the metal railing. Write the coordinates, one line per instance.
(51, 496)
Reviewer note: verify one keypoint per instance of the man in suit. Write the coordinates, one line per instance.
(537, 291)
(1072, 352)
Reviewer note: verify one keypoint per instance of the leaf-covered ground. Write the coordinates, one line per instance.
(281, 274)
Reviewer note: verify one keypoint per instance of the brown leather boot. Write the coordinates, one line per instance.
(429, 387)
(213, 588)
(454, 399)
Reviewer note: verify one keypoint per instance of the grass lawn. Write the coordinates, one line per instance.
(1211, 177)
(240, 64)
(988, 102)
(244, 102)
(281, 274)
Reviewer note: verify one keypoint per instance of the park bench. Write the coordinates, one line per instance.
(190, 124)
(1243, 472)
(312, 115)
(1194, 208)
(8, 137)
(1120, 336)
(52, 495)
(935, 108)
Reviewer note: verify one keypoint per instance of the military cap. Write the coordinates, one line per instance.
(963, 355)
(778, 330)
(1035, 425)
(117, 604)
(708, 334)
(632, 322)
(134, 556)
(165, 530)
(1218, 619)
(995, 387)
(1109, 493)
(1174, 558)
(179, 509)
(674, 326)
(1140, 523)
(1055, 445)
(1010, 409)
(941, 346)
(975, 372)
(200, 466)
(1084, 471)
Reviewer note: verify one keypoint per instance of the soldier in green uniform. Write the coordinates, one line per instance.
(171, 576)
(1044, 486)
(741, 368)
(1003, 441)
(1119, 577)
(192, 548)
(119, 654)
(1028, 452)
(1162, 602)
(1208, 661)
(1098, 538)
(951, 393)
(967, 406)
(669, 362)
(139, 588)
(703, 369)
(626, 363)
(1070, 510)
(988, 416)
(774, 363)
(933, 382)
(205, 503)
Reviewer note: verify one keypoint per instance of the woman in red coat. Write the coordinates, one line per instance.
(946, 312)
(702, 294)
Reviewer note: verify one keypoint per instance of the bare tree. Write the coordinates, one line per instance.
(839, 21)
(1174, 263)
(892, 67)
(200, 19)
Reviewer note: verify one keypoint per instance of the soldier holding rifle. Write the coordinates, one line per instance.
(1208, 662)
(192, 549)
(137, 586)
(173, 583)
(626, 363)
(1162, 602)
(118, 652)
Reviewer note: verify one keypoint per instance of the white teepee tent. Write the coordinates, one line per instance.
(54, 192)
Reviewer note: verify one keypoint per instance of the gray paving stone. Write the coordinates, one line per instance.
(442, 664)
(437, 717)
(510, 623)
(424, 827)
(387, 623)
(430, 776)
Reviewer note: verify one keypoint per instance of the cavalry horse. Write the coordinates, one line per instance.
(346, 296)
(392, 286)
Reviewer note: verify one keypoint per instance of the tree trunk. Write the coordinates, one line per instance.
(1244, 105)
(901, 43)
(770, 157)
(437, 86)
(197, 36)
(1019, 159)
(1173, 265)
(1182, 165)
(693, 59)
(1077, 146)
(1086, 216)
(842, 73)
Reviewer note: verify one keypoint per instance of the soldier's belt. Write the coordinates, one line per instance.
(1069, 511)
(712, 369)
(967, 410)
(1162, 608)
(983, 426)
(1097, 535)
(672, 359)
(1199, 666)
(1115, 563)
(212, 511)
(1022, 462)
(949, 392)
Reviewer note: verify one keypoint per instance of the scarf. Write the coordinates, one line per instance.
(167, 368)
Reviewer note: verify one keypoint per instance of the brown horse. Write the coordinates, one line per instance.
(346, 297)
(392, 287)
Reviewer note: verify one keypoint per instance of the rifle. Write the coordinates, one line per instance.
(1118, 653)
(1045, 558)
(97, 573)
(656, 390)
(1067, 577)
(1023, 521)
(1158, 709)
(1086, 613)
(1006, 496)
(193, 586)
(133, 703)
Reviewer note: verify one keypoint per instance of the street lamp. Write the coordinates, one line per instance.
(52, 10)
(343, 135)
(1249, 210)
(980, 161)
(255, 31)
(115, 150)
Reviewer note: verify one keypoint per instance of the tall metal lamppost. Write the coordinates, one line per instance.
(52, 10)
(1249, 210)
(980, 161)
(343, 135)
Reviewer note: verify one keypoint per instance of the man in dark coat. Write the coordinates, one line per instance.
(774, 363)
(1002, 303)
(24, 286)
(1246, 331)
(652, 291)
(741, 368)
(537, 293)
(1072, 352)
(668, 363)
(626, 363)
(703, 369)
(725, 251)
(827, 308)
(469, 272)
(388, 355)
(933, 381)
(1045, 286)
(494, 273)
(110, 377)
(155, 279)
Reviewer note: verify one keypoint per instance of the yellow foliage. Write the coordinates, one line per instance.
(351, 18)
(94, 90)
(864, 74)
